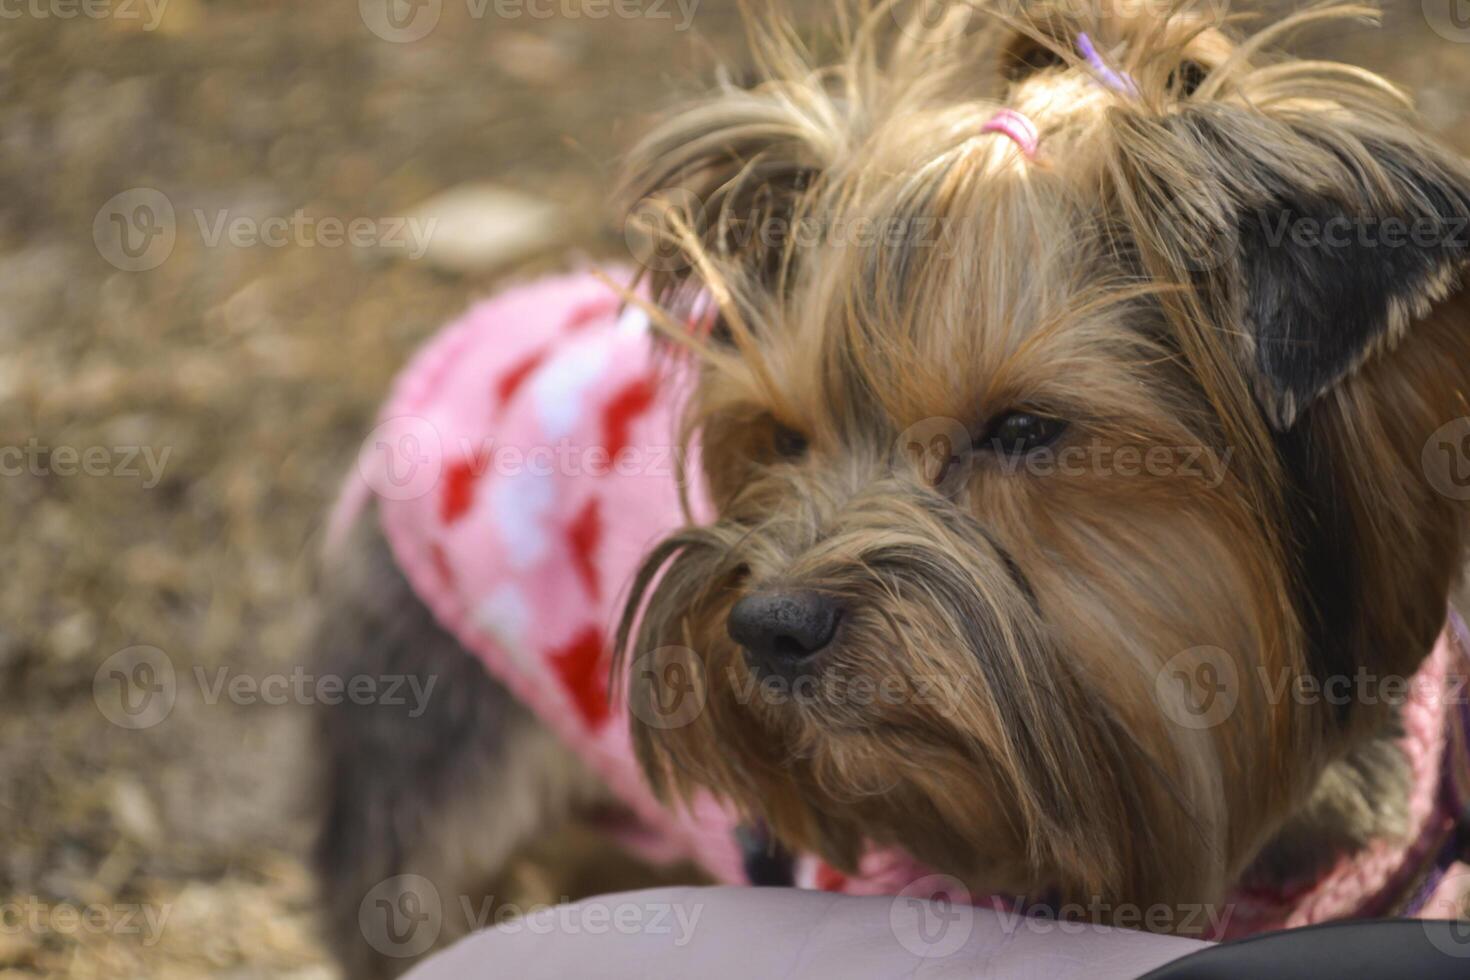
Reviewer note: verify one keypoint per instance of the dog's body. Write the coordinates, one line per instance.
(1170, 263)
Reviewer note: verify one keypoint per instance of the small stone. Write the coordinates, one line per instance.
(133, 811)
(537, 59)
(476, 228)
(73, 636)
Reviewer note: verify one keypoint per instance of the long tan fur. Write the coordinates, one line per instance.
(939, 274)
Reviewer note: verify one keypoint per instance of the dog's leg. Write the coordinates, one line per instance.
(446, 790)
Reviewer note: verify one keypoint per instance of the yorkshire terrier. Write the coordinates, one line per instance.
(1067, 421)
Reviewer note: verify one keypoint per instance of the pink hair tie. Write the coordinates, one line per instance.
(1021, 130)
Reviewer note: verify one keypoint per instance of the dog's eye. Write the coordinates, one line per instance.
(788, 443)
(1016, 433)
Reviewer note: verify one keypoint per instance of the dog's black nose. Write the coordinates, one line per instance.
(781, 629)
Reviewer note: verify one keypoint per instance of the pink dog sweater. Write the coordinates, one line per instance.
(525, 462)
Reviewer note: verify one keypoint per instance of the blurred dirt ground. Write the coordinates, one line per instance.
(172, 850)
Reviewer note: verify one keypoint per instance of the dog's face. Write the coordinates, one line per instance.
(1030, 493)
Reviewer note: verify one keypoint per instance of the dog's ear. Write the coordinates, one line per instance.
(1324, 234)
(725, 178)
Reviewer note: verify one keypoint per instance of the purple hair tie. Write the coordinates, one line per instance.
(1115, 80)
(1021, 130)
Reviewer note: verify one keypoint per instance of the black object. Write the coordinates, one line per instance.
(766, 862)
(1369, 949)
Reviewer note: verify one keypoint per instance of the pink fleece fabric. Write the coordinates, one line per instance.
(524, 464)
